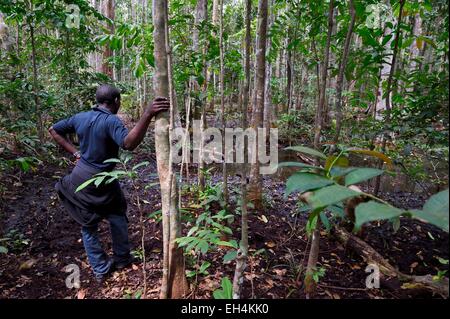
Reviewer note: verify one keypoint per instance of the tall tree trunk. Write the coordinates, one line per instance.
(241, 259)
(255, 189)
(387, 119)
(385, 70)
(310, 284)
(416, 45)
(323, 84)
(174, 284)
(200, 16)
(36, 84)
(342, 66)
(222, 103)
(215, 12)
(289, 72)
(107, 52)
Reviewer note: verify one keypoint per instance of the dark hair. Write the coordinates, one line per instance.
(107, 94)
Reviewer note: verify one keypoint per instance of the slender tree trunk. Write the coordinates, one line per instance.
(416, 45)
(323, 84)
(255, 189)
(387, 119)
(342, 66)
(310, 284)
(174, 284)
(289, 72)
(222, 102)
(241, 259)
(36, 84)
(107, 52)
(201, 15)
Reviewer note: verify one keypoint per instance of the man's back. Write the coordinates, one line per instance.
(100, 132)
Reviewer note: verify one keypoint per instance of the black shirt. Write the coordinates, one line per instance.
(100, 132)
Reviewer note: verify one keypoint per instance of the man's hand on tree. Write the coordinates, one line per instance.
(160, 104)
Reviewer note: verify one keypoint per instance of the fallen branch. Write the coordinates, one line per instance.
(387, 271)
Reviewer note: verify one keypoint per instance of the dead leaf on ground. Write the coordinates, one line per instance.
(81, 294)
(27, 264)
(280, 272)
(270, 244)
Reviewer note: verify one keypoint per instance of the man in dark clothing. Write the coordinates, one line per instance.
(101, 133)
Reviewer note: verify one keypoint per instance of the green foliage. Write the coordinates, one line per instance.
(318, 274)
(435, 210)
(327, 193)
(207, 233)
(109, 177)
(14, 241)
(295, 125)
(227, 290)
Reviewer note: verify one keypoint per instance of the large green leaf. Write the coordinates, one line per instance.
(435, 211)
(303, 182)
(85, 184)
(229, 256)
(370, 211)
(297, 164)
(307, 150)
(341, 161)
(226, 292)
(331, 195)
(361, 174)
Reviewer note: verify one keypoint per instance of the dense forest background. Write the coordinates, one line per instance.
(362, 82)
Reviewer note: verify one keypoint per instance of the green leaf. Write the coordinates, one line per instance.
(139, 70)
(227, 243)
(311, 223)
(331, 195)
(325, 221)
(337, 171)
(361, 174)
(204, 266)
(99, 180)
(303, 182)
(297, 164)
(140, 165)
(112, 160)
(342, 161)
(371, 211)
(435, 211)
(229, 256)
(203, 246)
(85, 184)
(307, 150)
(116, 43)
(337, 211)
(150, 59)
(3, 250)
(226, 292)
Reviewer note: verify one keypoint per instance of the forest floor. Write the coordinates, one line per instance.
(30, 206)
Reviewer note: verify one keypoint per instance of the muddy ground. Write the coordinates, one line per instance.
(35, 269)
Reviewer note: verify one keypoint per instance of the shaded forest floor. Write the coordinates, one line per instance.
(30, 207)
